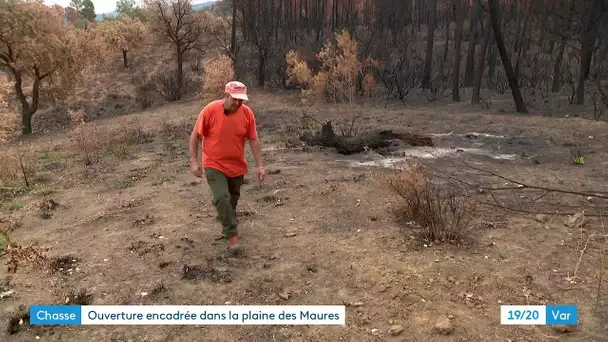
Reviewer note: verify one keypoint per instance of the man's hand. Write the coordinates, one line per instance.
(257, 154)
(261, 173)
(196, 169)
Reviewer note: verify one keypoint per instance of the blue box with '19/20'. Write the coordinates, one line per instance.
(539, 314)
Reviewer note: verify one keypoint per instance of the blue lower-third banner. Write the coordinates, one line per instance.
(188, 315)
(539, 315)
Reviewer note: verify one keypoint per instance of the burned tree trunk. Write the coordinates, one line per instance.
(459, 17)
(589, 36)
(500, 44)
(447, 36)
(355, 144)
(475, 98)
(475, 17)
(430, 41)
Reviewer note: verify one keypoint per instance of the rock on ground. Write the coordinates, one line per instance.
(564, 328)
(542, 218)
(576, 220)
(395, 330)
(444, 326)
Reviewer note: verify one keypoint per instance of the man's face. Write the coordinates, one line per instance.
(231, 104)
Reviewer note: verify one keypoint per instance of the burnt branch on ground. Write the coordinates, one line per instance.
(18, 320)
(80, 297)
(522, 185)
(524, 197)
(358, 143)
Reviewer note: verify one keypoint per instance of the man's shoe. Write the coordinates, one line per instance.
(233, 244)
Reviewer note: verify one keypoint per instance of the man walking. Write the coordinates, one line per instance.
(223, 125)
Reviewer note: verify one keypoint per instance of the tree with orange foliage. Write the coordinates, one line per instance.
(9, 120)
(123, 34)
(43, 57)
(337, 79)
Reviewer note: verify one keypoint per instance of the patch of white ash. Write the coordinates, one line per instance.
(400, 157)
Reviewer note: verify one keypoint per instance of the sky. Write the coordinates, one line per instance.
(101, 6)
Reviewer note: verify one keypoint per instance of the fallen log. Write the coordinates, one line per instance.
(355, 144)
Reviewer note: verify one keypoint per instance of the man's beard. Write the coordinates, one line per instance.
(233, 108)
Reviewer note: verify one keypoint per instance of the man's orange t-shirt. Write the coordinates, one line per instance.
(224, 137)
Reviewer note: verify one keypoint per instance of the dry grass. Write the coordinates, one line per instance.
(9, 124)
(144, 92)
(177, 129)
(442, 209)
(88, 141)
(84, 137)
(19, 255)
(9, 118)
(165, 83)
(120, 141)
(17, 166)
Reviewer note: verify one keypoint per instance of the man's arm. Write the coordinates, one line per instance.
(194, 143)
(256, 148)
(195, 165)
(197, 135)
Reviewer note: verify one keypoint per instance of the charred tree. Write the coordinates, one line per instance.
(430, 41)
(595, 12)
(459, 16)
(500, 44)
(479, 68)
(475, 18)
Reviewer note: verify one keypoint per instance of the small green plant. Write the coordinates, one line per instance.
(45, 191)
(164, 180)
(577, 147)
(14, 206)
(3, 242)
(52, 160)
(121, 185)
(579, 159)
(172, 144)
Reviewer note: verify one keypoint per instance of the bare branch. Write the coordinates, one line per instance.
(525, 211)
(537, 187)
